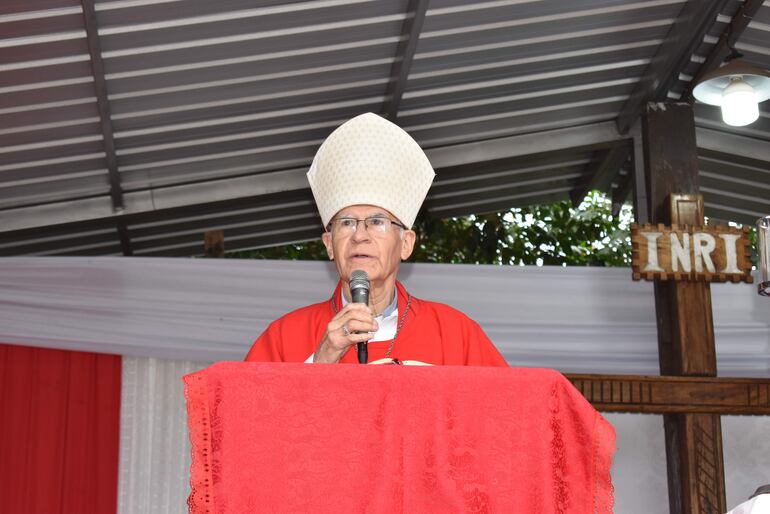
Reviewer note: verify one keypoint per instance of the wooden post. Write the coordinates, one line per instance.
(214, 243)
(683, 310)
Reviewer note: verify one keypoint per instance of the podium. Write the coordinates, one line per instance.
(269, 437)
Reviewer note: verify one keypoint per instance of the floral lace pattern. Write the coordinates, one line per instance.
(558, 455)
(201, 499)
(295, 438)
(604, 449)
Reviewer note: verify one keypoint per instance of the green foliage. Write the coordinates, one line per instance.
(555, 234)
(753, 236)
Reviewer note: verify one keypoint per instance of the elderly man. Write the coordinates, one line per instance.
(369, 179)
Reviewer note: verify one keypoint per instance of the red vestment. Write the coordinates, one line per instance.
(431, 332)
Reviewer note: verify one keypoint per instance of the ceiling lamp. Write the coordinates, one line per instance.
(737, 88)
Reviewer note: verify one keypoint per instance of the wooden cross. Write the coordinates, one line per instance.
(688, 393)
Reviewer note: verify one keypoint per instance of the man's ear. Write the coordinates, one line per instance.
(326, 237)
(407, 244)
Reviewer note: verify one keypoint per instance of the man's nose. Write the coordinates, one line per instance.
(361, 232)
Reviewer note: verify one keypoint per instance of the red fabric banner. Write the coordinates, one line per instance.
(60, 431)
(323, 438)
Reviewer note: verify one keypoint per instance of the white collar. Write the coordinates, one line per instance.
(387, 320)
(390, 310)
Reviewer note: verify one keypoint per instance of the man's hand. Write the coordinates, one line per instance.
(353, 324)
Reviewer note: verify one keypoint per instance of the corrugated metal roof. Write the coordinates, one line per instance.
(216, 109)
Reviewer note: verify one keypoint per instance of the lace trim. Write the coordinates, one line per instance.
(604, 448)
(561, 496)
(201, 499)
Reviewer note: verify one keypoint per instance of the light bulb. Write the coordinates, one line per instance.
(739, 103)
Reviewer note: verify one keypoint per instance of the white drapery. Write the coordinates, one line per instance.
(154, 467)
(157, 312)
(571, 319)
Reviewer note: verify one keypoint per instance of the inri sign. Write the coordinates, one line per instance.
(712, 254)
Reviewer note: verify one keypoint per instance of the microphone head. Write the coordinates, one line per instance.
(359, 287)
(359, 279)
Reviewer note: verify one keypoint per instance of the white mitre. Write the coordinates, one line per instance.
(370, 161)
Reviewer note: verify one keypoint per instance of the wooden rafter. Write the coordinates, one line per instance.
(105, 119)
(633, 180)
(125, 241)
(399, 72)
(621, 193)
(682, 40)
(603, 172)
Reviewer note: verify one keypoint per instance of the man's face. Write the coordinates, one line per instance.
(377, 253)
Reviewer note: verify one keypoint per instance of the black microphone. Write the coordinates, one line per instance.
(359, 293)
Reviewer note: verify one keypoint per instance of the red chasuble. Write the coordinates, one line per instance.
(431, 332)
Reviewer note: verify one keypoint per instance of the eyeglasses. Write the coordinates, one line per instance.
(376, 225)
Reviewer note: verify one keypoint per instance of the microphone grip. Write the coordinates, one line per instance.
(363, 352)
(361, 295)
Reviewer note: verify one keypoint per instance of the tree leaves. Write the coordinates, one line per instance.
(555, 234)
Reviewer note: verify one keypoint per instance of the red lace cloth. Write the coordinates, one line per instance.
(323, 438)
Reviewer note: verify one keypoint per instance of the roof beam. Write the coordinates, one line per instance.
(709, 140)
(146, 201)
(587, 137)
(595, 136)
(603, 173)
(733, 145)
(125, 240)
(726, 42)
(684, 37)
(634, 180)
(399, 72)
(639, 176)
(105, 119)
(621, 193)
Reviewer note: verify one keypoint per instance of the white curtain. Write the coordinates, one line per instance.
(169, 316)
(571, 319)
(154, 471)
(155, 449)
